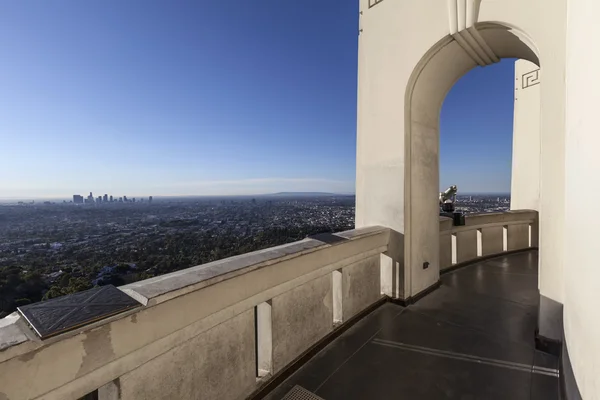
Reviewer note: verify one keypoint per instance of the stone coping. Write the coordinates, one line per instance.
(165, 287)
(445, 224)
(14, 330)
(475, 221)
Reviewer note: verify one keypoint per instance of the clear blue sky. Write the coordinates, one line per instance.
(476, 126)
(143, 97)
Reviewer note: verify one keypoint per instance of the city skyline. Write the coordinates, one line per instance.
(69, 198)
(249, 102)
(79, 199)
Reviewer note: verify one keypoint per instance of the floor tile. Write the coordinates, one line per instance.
(378, 372)
(415, 328)
(545, 360)
(321, 366)
(485, 280)
(544, 387)
(514, 321)
(524, 263)
(473, 338)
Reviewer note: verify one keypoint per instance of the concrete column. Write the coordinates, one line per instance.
(401, 86)
(525, 183)
(525, 180)
(581, 275)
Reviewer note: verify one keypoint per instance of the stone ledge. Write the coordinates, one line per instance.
(478, 221)
(495, 218)
(75, 363)
(445, 224)
(16, 337)
(165, 287)
(11, 331)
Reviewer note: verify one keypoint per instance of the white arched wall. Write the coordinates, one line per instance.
(582, 191)
(431, 80)
(402, 40)
(525, 179)
(410, 53)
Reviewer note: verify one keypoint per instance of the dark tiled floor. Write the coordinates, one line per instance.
(470, 339)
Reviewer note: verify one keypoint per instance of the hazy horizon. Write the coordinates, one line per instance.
(70, 198)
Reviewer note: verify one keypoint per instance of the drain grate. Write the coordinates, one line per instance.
(299, 393)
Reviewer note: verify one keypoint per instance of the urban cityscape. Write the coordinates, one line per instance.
(79, 199)
(52, 248)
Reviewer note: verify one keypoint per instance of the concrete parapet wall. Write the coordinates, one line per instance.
(518, 236)
(361, 286)
(217, 364)
(466, 245)
(251, 315)
(301, 317)
(195, 319)
(492, 239)
(487, 234)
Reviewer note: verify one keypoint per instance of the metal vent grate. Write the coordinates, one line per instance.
(299, 393)
(52, 317)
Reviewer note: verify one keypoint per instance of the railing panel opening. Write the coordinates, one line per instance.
(264, 340)
(479, 243)
(338, 314)
(90, 396)
(454, 248)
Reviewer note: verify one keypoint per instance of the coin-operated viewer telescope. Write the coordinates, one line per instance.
(447, 200)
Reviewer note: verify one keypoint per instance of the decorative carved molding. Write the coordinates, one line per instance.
(462, 17)
(530, 78)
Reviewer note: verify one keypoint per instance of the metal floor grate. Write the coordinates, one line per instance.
(299, 393)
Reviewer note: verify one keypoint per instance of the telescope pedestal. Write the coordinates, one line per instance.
(458, 218)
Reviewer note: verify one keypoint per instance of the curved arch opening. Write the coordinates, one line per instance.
(476, 137)
(437, 72)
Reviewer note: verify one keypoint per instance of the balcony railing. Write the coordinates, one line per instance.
(226, 328)
(485, 235)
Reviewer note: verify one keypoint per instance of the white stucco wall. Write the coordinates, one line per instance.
(582, 169)
(544, 23)
(407, 62)
(525, 179)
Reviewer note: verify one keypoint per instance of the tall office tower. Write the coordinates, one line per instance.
(150, 199)
(125, 199)
(77, 199)
(105, 198)
(111, 198)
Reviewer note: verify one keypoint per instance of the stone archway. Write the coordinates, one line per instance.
(441, 67)
(410, 53)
